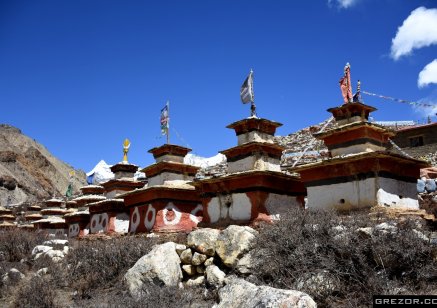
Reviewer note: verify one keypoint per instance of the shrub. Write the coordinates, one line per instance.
(18, 244)
(321, 253)
(37, 292)
(154, 296)
(98, 263)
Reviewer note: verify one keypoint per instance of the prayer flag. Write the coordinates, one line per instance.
(246, 92)
(90, 179)
(69, 191)
(164, 120)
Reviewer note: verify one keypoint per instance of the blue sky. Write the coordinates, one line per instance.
(81, 76)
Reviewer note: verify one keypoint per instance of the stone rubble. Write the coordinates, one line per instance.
(240, 293)
(207, 257)
(56, 250)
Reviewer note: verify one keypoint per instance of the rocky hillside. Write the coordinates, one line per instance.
(28, 172)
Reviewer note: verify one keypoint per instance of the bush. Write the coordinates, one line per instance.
(37, 292)
(154, 296)
(99, 263)
(321, 253)
(18, 244)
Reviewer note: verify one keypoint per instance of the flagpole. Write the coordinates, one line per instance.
(252, 103)
(168, 122)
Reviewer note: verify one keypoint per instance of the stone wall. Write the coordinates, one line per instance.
(429, 133)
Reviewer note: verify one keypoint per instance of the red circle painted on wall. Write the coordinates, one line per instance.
(170, 215)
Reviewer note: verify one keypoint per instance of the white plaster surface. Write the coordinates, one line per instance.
(73, 230)
(350, 120)
(122, 223)
(358, 148)
(397, 194)
(167, 176)
(177, 213)
(171, 158)
(214, 210)
(240, 207)
(56, 232)
(123, 174)
(370, 192)
(254, 136)
(149, 223)
(263, 163)
(114, 193)
(134, 225)
(355, 194)
(194, 213)
(86, 231)
(98, 226)
(278, 205)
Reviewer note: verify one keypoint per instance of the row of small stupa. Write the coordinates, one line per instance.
(359, 173)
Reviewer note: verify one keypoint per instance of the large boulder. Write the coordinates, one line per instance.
(240, 293)
(39, 249)
(161, 266)
(234, 242)
(203, 240)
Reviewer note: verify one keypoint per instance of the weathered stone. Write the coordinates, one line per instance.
(420, 235)
(420, 186)
(200, 269)
(189, 269)
(10, 184)
(322, 283)
(339, 229)
(386, 227)
(15, 275)
(55, 255)
(196, 281)
(430, 185)
(215, 276)
(160, 266)
(198, 259)
(240, 293)
(365, 232)
(42, 271)
(203, 240)
(180, 248)
(56, 242)
(209, 261)
(40, 249)
(186, 256)
(246, 264)
(233, 242)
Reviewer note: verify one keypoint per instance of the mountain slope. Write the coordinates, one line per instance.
(28, 172)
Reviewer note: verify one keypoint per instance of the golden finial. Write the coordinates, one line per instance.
(126, 145)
